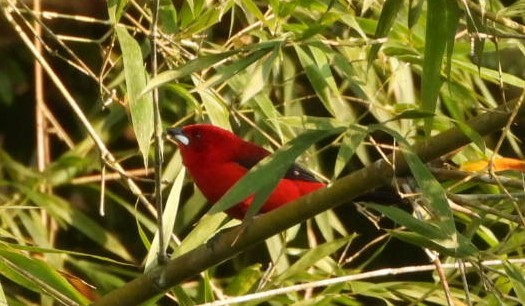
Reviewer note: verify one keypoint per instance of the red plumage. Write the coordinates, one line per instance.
(216, 159)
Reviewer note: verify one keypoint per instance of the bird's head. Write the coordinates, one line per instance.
(203, 143)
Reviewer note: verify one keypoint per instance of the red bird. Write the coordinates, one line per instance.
(216, 159)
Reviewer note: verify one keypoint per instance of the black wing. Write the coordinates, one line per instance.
(296, 172)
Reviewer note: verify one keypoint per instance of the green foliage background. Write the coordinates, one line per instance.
(371, 75)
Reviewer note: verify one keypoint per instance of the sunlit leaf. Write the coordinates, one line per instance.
(245, 280)
(315, 63)
(140, 105)
(351, 140)
(198, 64)
(168, 220)
(168, 16)
(497, 164)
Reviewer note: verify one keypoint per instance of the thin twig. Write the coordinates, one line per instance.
(135, 174)
(505, 132)
(42, 140)
(58, 129)
(464, 176)
(354, 277)
(162, 257)
(77, 63)
(471, 6)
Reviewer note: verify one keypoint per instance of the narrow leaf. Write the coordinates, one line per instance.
(198, 64)
(515, 275)
(141, 106)
(453, 16)
(435, 42)
(64, 213)
(317, 68)
(386, 20)
(259, 77)
(226, 72)
(41, 273)
(245, 280)
(351, 140)
(168, 17)
(169, 216)
(311, 257)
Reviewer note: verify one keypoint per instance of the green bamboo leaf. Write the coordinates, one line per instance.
(262, 179)
(66, 214)
(441, 24)
(426, 234)
(183, 296)
(204, 19)
(116, 9)
(216, 110)
(351, 140)
(489, 74)
(170, 214)
(313, 256)
(329, 225)
(311, 122)
(106, 277)
(244, 281)
(36, 249)
(14, 276)
(32, 223)
(386, 20)
(140, 105)
(440, 228)
(226, 72)
(423, 228)
(515, 275)
(412, 114)
(65, 168)
(198, 64)
(168, 17)
(453, 16)
(208, 225)
(3, 299)
(259, 77)
(434, 50)
(42, 276)
(251, 7)
(263, 103)
(314, 59)
(459, 247)
(187, 13)
(433, 192)
(17, 171)
(415, 9)
(276, 247)
(476, 138)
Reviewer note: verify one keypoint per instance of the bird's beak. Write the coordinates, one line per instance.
(178, 135)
